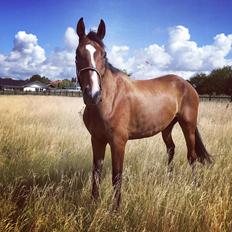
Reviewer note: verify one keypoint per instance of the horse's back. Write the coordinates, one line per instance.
(170, 85)
(182, 92)
(154, 103)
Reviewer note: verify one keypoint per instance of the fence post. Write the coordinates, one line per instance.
(209, 97)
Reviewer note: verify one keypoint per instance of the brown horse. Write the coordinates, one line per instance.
(118, 109)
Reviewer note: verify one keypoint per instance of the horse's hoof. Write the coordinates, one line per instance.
(170, 175)
(196, 183)
(114, 209)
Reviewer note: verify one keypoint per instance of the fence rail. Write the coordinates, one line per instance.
(70, 93)
(216, 98)
(61, 92)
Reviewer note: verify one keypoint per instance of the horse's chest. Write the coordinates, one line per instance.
(94, 124)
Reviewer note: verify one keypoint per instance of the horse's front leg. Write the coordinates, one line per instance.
(98, 147)
(117, 152)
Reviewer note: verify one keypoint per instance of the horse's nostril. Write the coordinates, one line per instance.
(87, 91)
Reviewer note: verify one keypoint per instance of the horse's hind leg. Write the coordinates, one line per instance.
(189, 128)
(167, 137)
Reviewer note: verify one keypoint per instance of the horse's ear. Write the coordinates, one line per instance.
(101, 31)
(80, 28)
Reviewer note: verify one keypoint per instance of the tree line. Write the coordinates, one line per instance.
(60, 84)
(218, 82)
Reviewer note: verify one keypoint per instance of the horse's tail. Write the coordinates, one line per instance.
(202, 153)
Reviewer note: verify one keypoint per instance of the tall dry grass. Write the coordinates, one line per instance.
(45, 173)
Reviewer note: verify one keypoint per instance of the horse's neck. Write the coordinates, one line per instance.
(112, 92)
(110, 85)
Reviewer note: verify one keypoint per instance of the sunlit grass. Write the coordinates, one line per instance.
(46, 163)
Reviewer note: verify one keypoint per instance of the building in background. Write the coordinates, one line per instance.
(35, 86)
(8, 84)
(11, 84)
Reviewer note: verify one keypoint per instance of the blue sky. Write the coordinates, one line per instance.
(131, 26)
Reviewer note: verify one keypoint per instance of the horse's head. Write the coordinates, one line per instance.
(90, 61)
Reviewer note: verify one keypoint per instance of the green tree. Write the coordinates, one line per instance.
(201, 83)
(37, 77)
(228, 88)
(219, 81)
(66, 84)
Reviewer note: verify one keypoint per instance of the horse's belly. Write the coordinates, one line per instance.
(146, 124)
(143, 134)
(147, 131)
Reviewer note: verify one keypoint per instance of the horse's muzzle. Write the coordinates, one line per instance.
(91, 100)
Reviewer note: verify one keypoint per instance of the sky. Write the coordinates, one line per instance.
(146, 38)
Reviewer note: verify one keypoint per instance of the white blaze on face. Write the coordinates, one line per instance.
(94, 77)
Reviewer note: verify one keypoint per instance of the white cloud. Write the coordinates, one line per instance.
(179, 55)
(26, 49)
(188, 56)
(28, 57)
(118, 56)
(70, 39)
(61, 63)
(178, 34)
(24, 58)
(143, 63)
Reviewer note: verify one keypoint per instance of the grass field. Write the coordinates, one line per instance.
(45, 173)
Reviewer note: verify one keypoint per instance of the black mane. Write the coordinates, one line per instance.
(92, 35)
(112, 68)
